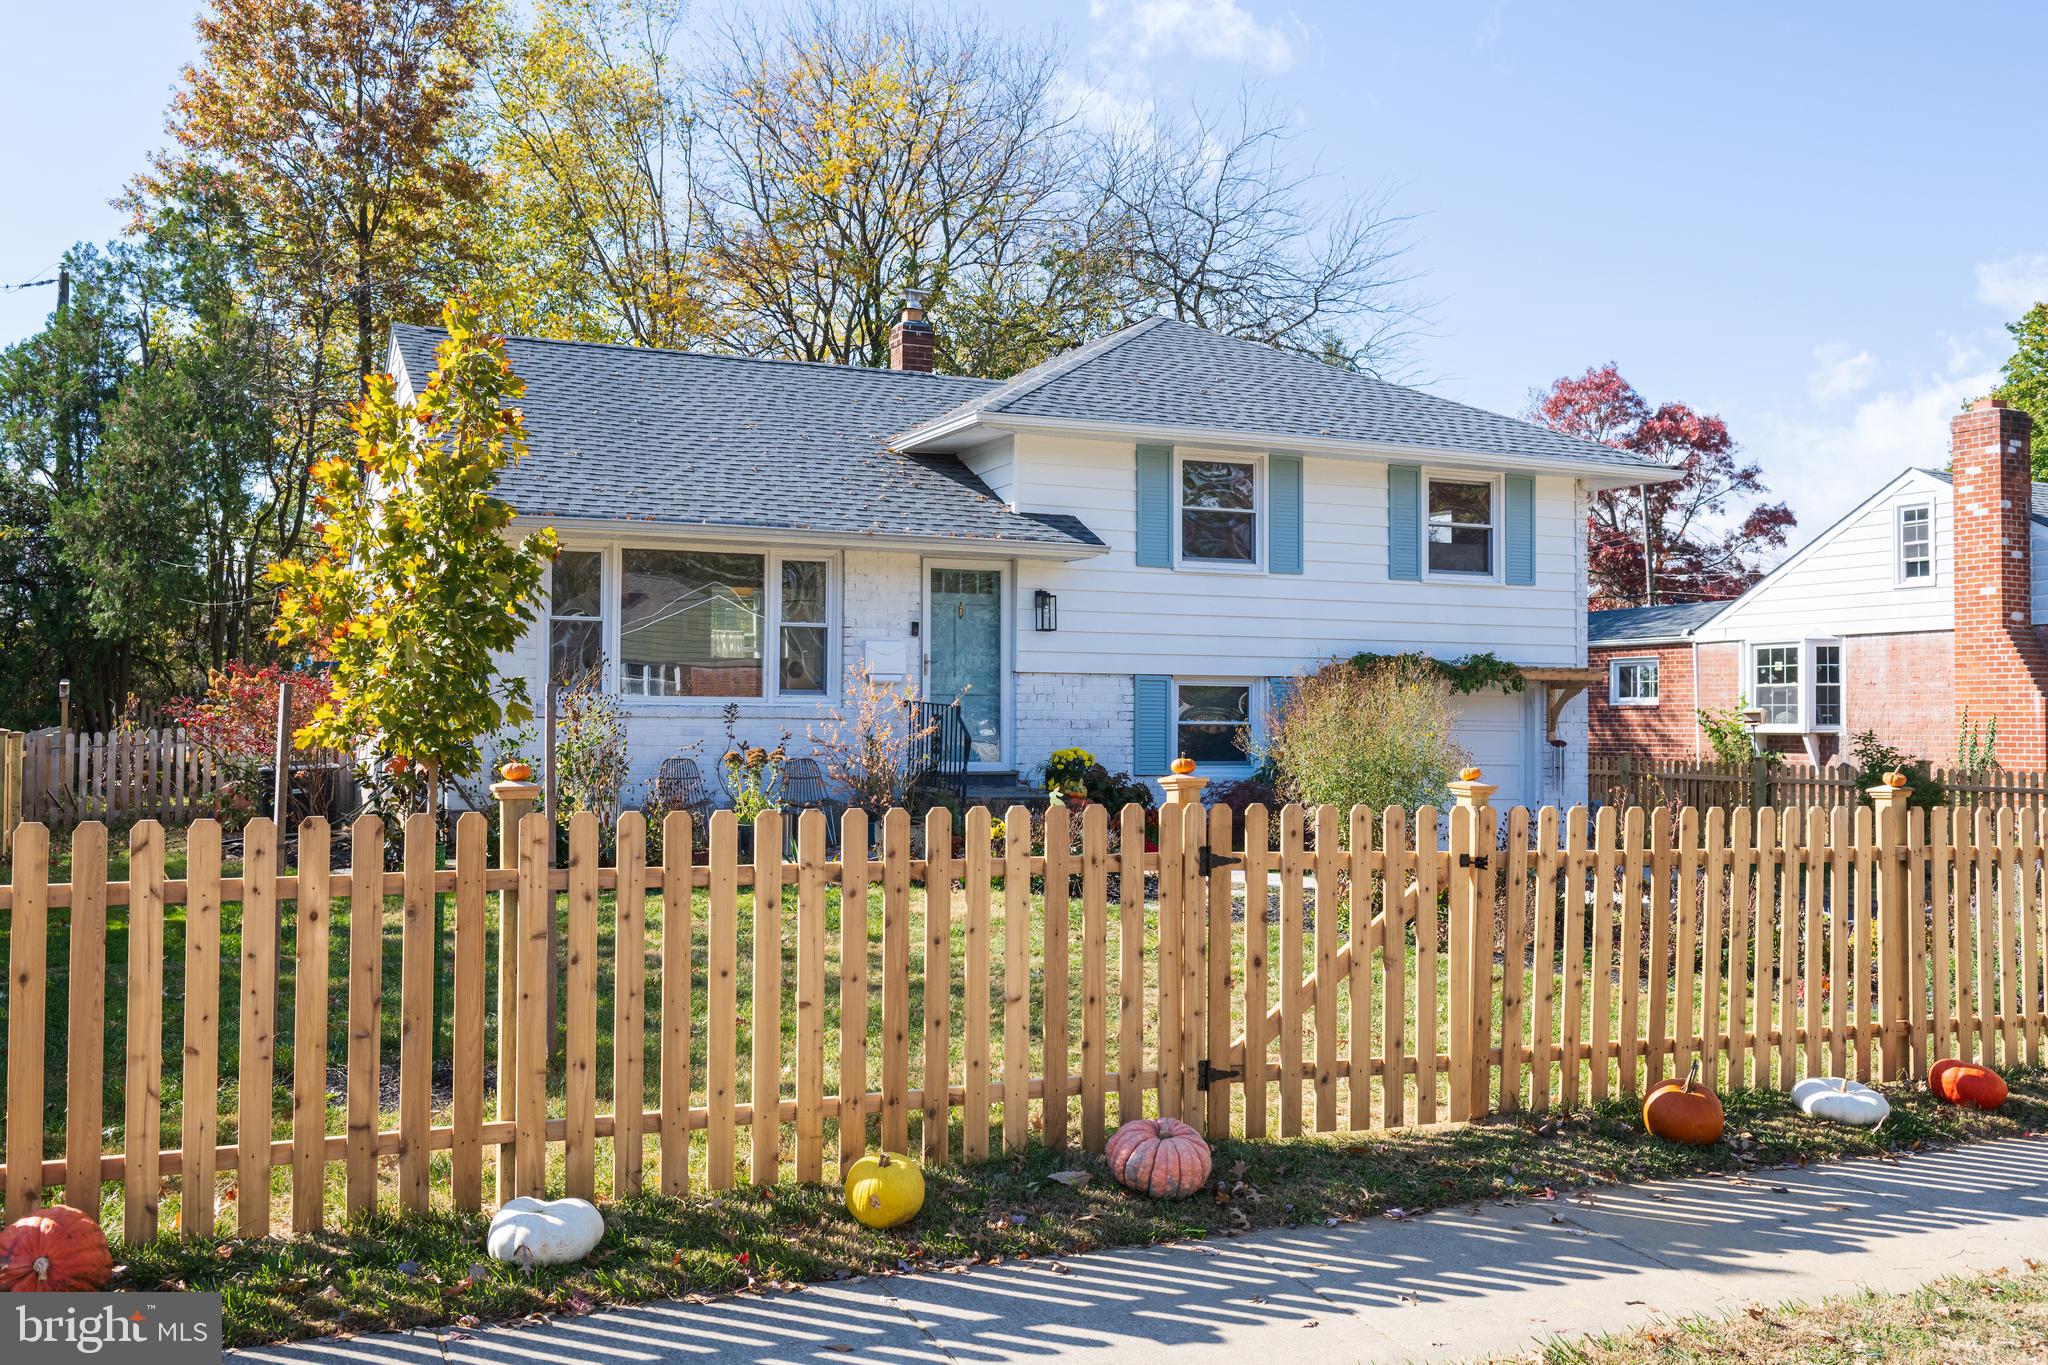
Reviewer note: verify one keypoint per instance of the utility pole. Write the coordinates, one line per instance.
(1649, 564)
(63, 289)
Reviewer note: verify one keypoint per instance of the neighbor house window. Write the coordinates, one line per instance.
(1632, 682)
(1219, 520)
(1916, 544)
(1214, 722)
(690, 623)
(1461, 526)
(803, 643)
(1827, 685)
(576, 615)
(1777, 683)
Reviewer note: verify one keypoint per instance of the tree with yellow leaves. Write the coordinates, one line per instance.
(417, 584)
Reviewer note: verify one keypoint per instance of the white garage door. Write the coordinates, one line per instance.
(1494, 728)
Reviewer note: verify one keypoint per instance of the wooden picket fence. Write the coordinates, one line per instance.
(12, 752)
(115, 775)
(1385, 969)
(1621, 779)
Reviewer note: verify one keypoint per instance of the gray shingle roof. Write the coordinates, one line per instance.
(1161, 372)
(1638, 625)
(681, 439)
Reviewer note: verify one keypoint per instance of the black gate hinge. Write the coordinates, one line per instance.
(1477, 860)
(1211, 860)
(1207, 1075)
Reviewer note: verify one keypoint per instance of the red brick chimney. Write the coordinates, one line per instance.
(910, 340)
(2001, 665)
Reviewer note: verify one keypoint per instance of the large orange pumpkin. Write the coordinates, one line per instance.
(54, 1250)
(1961, 1082)
(1684, 1111)
(1163, 1158)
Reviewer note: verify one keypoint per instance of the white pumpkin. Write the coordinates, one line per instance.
(1840, 1100)
(529, 1232)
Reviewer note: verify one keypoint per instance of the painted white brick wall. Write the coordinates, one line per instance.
(1059, 710)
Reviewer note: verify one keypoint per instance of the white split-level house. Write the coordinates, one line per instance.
(1129, 548)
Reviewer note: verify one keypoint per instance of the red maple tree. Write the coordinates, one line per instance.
(1709, 528)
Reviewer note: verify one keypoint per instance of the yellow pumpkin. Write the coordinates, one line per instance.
(1183, 765)
(883, 1191)
(1468, 774)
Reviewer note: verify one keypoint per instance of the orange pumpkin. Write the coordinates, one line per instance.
(1684, 1111)
(1163, 1158)
(54, 1250)
(1895, 779)
(1961, 1082)
(1468, 774)
(516, 772)
(1183, 765)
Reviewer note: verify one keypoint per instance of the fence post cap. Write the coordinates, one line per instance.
(1473, 792)
(515, 791)
(1884, 797)
(1183, 789)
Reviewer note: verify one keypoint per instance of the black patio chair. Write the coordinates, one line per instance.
(803, 787)
(679, 786)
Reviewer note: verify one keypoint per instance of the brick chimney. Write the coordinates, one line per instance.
(910, 340)
(2001, 665)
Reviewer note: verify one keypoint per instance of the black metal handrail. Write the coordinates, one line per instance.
(937, 760)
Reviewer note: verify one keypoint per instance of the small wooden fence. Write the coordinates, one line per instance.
(778, 1016)
(12, 749)
(115, 775)
(1628, 780)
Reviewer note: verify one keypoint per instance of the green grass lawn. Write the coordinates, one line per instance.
(1991, 1319)
(383, 1271)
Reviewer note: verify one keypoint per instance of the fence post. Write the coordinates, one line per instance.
(1622, 779)
(1890, 806)
(1471, 945)
(514, 799)
(1759, 783)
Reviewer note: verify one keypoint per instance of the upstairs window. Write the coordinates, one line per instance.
(1461, 522)
(1632, 682)
(1916, 544)
(1776, 680)
(1219, 519)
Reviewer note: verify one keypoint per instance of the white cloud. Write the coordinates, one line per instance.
(1491, 28)
(1105, 102)
(1824, 467)
(1839, 370)
(2014, 284)
(1220, 29)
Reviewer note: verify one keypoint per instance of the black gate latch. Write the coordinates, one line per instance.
(1207, 1075)
(1211, 860)
(1477, 860)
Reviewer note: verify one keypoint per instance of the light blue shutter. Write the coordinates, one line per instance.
(1284, 534)
(1404, 521)
(1521, 530)
(1155, 507)
(1153, 748)
(1279, 692)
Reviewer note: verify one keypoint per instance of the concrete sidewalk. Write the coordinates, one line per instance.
(1495, 1279)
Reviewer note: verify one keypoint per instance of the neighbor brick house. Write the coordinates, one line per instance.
(1925, 605)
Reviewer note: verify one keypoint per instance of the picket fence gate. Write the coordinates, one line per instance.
(1439, 966)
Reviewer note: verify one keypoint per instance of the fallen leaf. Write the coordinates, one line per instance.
(1071, 1179)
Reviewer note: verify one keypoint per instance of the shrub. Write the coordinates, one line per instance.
(1874, 758)
(235, 725)
(751, 772)
(1374, 736)
(1236, 796)
(590, 749)
(1729, 736)
(867, 753)
(1976, 747)
(1067, 770)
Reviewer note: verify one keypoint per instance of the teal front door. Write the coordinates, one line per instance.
(964, 653)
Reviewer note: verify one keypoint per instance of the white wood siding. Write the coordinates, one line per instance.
(1847, 582)
(1116, 617)
(994, 463)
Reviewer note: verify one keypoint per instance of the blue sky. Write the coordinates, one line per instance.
(1813, 227)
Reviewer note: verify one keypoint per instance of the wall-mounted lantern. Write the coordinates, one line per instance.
(1047, 608)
